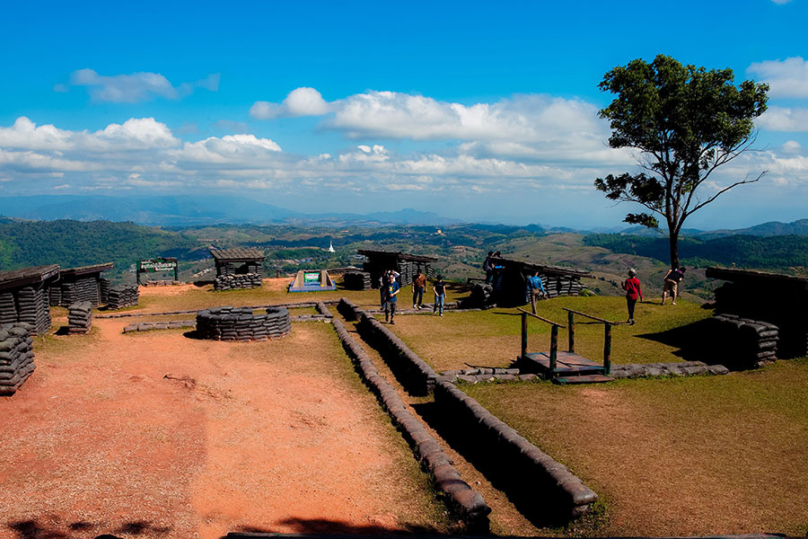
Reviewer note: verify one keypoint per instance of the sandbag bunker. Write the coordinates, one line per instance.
(243, 324)
(16, 357)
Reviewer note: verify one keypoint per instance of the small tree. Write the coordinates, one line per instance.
(687, 122)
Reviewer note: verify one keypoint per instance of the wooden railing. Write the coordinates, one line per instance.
(553, 337)
(607, 337)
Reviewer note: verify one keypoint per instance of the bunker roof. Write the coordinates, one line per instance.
(84, 270)
(370, 253)
(759, 277)
(247, 254)
(541, 268)
(27, 276)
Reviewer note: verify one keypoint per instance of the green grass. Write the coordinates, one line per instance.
(492, 337)
(679, 456)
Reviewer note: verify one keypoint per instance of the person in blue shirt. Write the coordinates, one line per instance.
(535, 288)
(391, 291)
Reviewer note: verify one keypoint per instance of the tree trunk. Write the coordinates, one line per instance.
(674, 245)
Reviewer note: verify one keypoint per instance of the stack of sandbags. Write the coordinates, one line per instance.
(482, 296)
(55, 295)
(33, 308)
(357, 280)
(8, 308)
(242, 324)
(236, 282)
(104, 286)
(122, 296)
(741, 343)
(16, 357)
(80, 318)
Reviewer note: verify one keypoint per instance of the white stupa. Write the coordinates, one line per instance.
(331, 247)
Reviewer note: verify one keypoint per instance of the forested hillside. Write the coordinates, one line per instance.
(775, 252)
(74, 243)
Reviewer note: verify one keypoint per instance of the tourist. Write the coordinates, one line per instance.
(671, 284)
(496, 271)
(488, 268)
(418, 288)
(383, 280)
(633, 291)
(535, 289)
(391, 291)
(440, 296)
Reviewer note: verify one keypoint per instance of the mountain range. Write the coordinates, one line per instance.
(200, 210)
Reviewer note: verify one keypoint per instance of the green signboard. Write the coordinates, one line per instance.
(157, 265)
(311, 277)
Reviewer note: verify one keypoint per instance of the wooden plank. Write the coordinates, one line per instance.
(592, 317)
(542, 319)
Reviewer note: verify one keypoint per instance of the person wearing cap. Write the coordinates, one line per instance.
(633, 291)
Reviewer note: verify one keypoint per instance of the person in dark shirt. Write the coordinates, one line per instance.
(633, 291)
(671, 284)
(440, 296)
(488, 268)
(391, 291)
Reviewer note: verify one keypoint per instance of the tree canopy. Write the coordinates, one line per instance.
(687, 122)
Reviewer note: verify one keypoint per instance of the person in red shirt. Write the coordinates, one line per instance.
(633, 291)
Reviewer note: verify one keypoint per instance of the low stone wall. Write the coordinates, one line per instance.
(414, 372)
(323, 310)
(195, 311)
(487, 374)
(465, 502)
(741, 343)
(242, 324)
(237, 282)
(16, 356)
(122, 296)
(80, 318)
(552, 487)
(162, 283)
(357, 280)
(662, 370)
(147, 326)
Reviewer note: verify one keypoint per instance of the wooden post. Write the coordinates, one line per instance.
(571, 330)
(524, 335)
(607, 348)
(553, 348)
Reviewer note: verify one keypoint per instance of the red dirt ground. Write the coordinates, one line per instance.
(160, 435)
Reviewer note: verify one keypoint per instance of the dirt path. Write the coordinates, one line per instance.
(161, 435)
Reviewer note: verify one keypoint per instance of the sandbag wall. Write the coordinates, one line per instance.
(55, 295)
(8, 308)
(236, 282)
(414, 372)
(231, 268)
(33, 308)
(119, 297)
(81, 288)
(551, 488)
(357, 280)
(103, 286)
(784, 305)
(407, 269)
(462, 499)
(16, 357)
(79, 318)
(242, 324)
(741, 343)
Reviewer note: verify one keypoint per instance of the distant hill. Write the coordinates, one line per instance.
(194, 210)
(772, 228)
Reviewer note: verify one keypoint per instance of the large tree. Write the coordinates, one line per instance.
(686, 122)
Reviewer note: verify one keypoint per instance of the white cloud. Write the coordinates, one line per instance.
(238, 150)
(300, 102)
(784, 119)
(134, 134)
(792, 146)
(136, 87)
(787, 78)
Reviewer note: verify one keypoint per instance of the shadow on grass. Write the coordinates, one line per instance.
(329, 527)
(534, 502)
(32, 529)
(693, 341)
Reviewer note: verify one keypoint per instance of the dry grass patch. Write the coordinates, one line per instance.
(685, 456)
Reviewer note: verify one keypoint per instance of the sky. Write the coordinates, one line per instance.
(474, 110)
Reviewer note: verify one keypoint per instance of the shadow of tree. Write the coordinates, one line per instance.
(33, 529)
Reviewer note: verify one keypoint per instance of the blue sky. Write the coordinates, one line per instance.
(472, 110)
